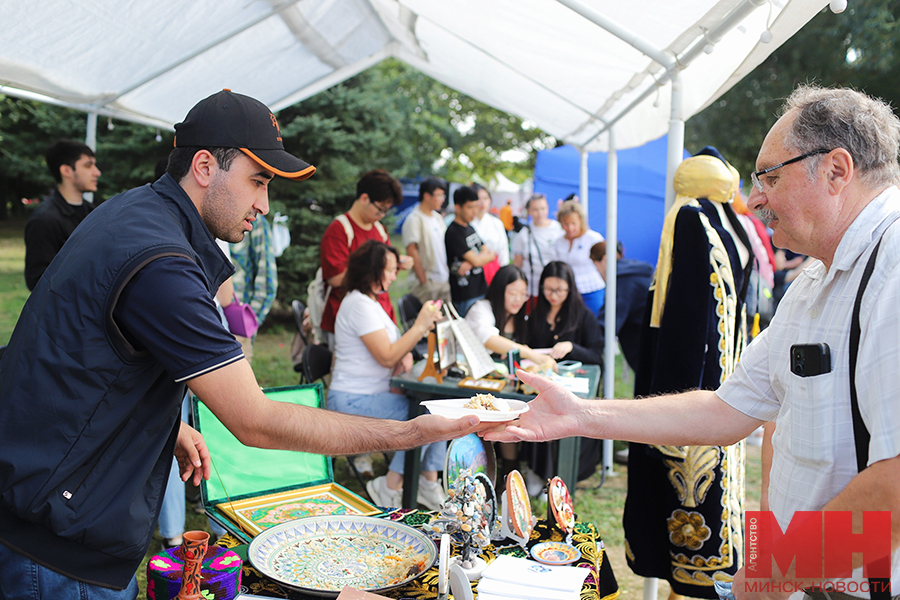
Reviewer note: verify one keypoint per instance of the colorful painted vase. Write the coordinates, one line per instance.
(220, 574)
(194, 549)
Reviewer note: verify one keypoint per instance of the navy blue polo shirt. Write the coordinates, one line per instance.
(166, 309)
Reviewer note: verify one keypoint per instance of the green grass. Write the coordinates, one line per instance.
(273, 368)
(13, 292)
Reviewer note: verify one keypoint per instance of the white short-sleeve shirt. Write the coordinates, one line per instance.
(355, 368)
(481, 319)
(492, 232)
(432, 252)
(815, 456)
(578, 256)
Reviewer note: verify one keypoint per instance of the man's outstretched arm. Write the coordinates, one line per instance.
(690, 418)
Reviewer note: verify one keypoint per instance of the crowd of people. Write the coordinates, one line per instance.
(462, 254)
(131, 305)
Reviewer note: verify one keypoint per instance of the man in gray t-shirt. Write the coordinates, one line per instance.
(423, 237)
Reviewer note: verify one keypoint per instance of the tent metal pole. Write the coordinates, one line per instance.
(90, 138)
(713, 36)
(675, 152)
(612, 237)
(87, 108)
(651, 585)
(624, 34)
(195, 52)
(583, 180)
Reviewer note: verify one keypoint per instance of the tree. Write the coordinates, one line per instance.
(126, 154)
(392, 117)
(859, 48)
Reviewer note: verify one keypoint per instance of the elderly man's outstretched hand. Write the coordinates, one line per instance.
(553, 414)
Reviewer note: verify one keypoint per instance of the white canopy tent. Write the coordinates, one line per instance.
(574, 67)
(596, 74)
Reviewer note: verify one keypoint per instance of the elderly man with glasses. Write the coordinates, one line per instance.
(826, 370)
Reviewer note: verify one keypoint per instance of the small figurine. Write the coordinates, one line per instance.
(468, 516)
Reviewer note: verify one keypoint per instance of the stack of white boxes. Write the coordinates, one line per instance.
(509, 577)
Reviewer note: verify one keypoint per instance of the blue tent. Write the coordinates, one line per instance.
(642, 191)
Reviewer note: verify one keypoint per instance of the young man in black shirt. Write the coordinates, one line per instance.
(74, 167)
(466, 253)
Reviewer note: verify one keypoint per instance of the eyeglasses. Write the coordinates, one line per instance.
(556, 291)
(382, 211)
(755, 176)
(517, 295)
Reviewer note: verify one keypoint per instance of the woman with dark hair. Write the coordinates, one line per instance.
(499, 321)
(368, 351)
(561, 321)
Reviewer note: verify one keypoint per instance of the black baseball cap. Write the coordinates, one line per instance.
(229, 120)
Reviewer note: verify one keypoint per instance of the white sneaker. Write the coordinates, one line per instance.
(363, 465)
(172, 542)
(382, 495)
(431, 494)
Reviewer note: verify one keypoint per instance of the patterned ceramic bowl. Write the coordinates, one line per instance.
(321, 555)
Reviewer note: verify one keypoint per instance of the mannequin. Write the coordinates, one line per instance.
(684, 509)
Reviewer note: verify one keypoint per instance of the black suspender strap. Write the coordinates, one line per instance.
(860, 432)
(879, 588)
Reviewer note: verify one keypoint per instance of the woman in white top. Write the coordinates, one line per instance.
(490, 228)
(499, 323)
(574, 248)
(368, 351)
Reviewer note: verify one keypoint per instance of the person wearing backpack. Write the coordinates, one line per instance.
(377, 192)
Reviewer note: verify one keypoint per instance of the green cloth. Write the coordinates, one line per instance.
(240, 471)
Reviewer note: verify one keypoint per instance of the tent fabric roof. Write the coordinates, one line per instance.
(547, 61)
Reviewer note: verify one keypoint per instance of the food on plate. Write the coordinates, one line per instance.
(487, 402)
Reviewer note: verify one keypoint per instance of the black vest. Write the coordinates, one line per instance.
(87, 423)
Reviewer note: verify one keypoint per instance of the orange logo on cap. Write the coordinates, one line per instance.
(275, 124)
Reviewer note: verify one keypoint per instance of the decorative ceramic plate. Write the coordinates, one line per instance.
(519, 505)
(561, 504)
(555, 553)
(321, 555)
(455, 408)
(469, 452)
(490, 505)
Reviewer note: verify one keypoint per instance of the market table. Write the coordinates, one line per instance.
(567, 457)
(600, 584)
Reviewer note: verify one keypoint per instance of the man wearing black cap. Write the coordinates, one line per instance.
(92, 380)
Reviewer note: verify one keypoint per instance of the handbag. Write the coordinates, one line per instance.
(241, 318)
(490, 270)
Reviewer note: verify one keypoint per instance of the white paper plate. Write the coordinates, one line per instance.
(455, 408)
